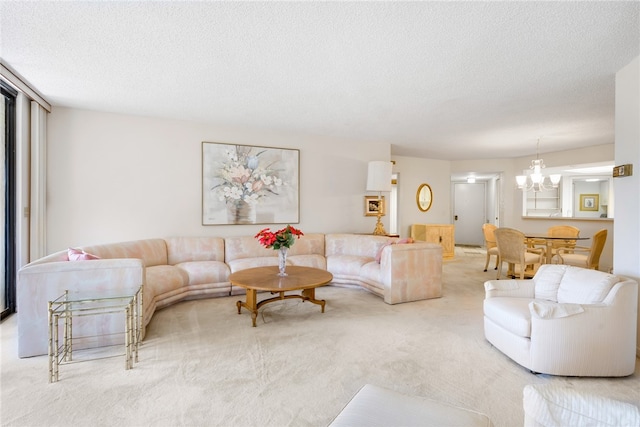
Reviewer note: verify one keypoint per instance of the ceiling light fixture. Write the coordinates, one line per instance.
(536, 181)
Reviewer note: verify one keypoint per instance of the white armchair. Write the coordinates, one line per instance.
(565, 321)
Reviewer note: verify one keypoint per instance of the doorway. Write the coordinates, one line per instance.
(469, 212)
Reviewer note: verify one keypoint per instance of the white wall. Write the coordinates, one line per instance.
(411, 173)
(114, 177)
(626, 190)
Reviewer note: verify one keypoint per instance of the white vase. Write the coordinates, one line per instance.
(282, 261)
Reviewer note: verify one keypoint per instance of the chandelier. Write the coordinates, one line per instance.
(537, 182)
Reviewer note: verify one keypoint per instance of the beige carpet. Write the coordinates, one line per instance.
(204, 365)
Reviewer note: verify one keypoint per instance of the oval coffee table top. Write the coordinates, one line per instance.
(267, 279)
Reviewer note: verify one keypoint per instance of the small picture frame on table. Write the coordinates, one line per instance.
(373, 205)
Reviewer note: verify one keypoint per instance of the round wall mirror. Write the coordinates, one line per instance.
(424, 197)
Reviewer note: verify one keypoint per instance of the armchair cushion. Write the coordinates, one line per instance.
(511, 313)
(547, 282)
(582, 286)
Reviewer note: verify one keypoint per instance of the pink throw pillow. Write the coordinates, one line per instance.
(403, 241)
(379, 254)
(389, 243)
(80, 255)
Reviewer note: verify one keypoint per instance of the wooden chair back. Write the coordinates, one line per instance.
(513, 250)
(597, 245)
(489, 235)
(563, 230)
(511, 245)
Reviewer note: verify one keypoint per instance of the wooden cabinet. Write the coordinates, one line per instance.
(443, 234)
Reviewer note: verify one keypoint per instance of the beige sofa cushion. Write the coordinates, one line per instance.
(354, 244)
(187, 249)
(347, 265)
(163, 279)
(150, 251)
(201, 272)
(309, 244)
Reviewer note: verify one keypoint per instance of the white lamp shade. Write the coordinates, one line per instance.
(379, 176)
(536, 178)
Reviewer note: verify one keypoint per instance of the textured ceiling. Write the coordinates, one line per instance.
(441, 80)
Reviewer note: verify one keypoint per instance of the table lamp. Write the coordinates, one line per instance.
(379, 180)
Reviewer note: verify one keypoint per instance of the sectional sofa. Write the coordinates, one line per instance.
(183, 268)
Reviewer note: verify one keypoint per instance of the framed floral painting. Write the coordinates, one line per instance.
(246, 184)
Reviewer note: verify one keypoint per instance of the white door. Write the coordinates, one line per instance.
(469, 212)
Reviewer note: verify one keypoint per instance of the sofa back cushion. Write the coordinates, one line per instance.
(583, 286)
(249, 247)
(150, 251)
(355, 244)
(309, 244)
(245, 247)
(187, 249)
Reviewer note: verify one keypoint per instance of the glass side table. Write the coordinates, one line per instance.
(89, 303)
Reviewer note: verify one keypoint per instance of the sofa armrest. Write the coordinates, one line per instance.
(411, 272)
(40, 283)
(514, 288)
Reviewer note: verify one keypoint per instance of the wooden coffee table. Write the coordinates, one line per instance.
(257, 279)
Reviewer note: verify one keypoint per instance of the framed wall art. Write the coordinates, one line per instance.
(247, 184)
(373, 205)
(589, 202)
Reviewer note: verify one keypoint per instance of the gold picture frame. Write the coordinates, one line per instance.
(589, 202)
(373, 205)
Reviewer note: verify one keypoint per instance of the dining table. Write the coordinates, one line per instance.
(549, 240)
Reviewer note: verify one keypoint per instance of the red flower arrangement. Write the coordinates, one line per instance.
(284, 238)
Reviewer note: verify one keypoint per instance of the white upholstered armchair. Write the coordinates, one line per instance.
(565, 321)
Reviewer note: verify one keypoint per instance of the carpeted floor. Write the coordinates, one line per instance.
(202, 364)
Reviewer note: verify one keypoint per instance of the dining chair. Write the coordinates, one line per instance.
(582, 256)
(561, 231)
(512, 249)
(490, 243)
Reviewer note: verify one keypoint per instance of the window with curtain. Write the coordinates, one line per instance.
(7, 206)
